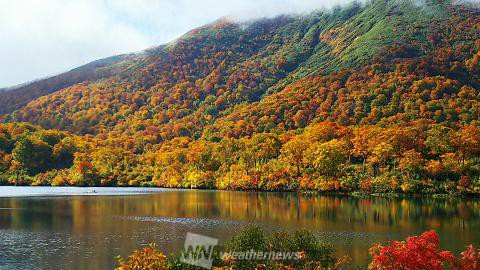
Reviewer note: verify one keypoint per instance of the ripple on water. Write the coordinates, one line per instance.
(21, 249)
(30, 249)
(202, 222)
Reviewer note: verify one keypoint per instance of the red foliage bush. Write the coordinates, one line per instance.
(422, 252)
(469, 260)
(416, 252)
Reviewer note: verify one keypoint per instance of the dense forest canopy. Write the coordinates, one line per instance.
(378, 97)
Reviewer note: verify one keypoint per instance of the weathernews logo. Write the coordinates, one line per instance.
(199, 250)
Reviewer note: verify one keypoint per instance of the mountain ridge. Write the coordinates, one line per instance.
(253, 62)
(89, 72)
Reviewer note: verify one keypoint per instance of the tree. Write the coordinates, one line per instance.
(294, 152)
(467, 141)
(5, 161)
(33, 154)
(247, 157)
(328, 158)
(265, 147)
(200, 155)
(381, 153)
(108, 164)
(6, 143)
(83, 172)
(411, 162)
(63, 153)
(439, 140)
(227, 152)
(363, 140)
(326, 131)
(51, 137)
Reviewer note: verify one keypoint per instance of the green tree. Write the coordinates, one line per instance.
(33, 154)
(63, 153)
(327, 158)
(6, 143)
(439, 140)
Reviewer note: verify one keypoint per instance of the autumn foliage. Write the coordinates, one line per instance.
(149, 258)
(422, 252)
(414, 253)
(327, 157)
(312, 102)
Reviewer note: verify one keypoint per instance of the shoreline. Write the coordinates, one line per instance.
(119, 191)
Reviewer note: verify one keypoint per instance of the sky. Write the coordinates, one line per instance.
(41, 38)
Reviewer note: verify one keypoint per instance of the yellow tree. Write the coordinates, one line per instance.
(293, 152)
(380, 154)
(411, 162)
(467, 141)
(364, 139)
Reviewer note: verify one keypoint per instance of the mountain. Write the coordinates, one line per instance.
(397, 65)
(16, 97)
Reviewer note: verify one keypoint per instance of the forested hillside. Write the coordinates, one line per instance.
(381, 97)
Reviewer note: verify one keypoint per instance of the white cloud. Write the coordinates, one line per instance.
(41, 38)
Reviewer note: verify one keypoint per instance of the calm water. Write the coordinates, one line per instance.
(86, 228)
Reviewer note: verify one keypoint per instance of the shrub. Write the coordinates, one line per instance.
(476, 185)
(4, 179)
(469, 260)
(422, 252)
(351, 180)
(316, 253)
(366, 186)
(385, 183)
(62, 178)
(416, 252)
(306, 182)
(308, 253)
(252, 238)
(464, 184)
(149, 258)
(19, 178)
(44, 179)
(327, 185)
(313, 254)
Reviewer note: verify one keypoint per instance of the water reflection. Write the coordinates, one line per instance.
(82, 232)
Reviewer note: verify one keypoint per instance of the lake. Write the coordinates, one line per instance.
(85, 228)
